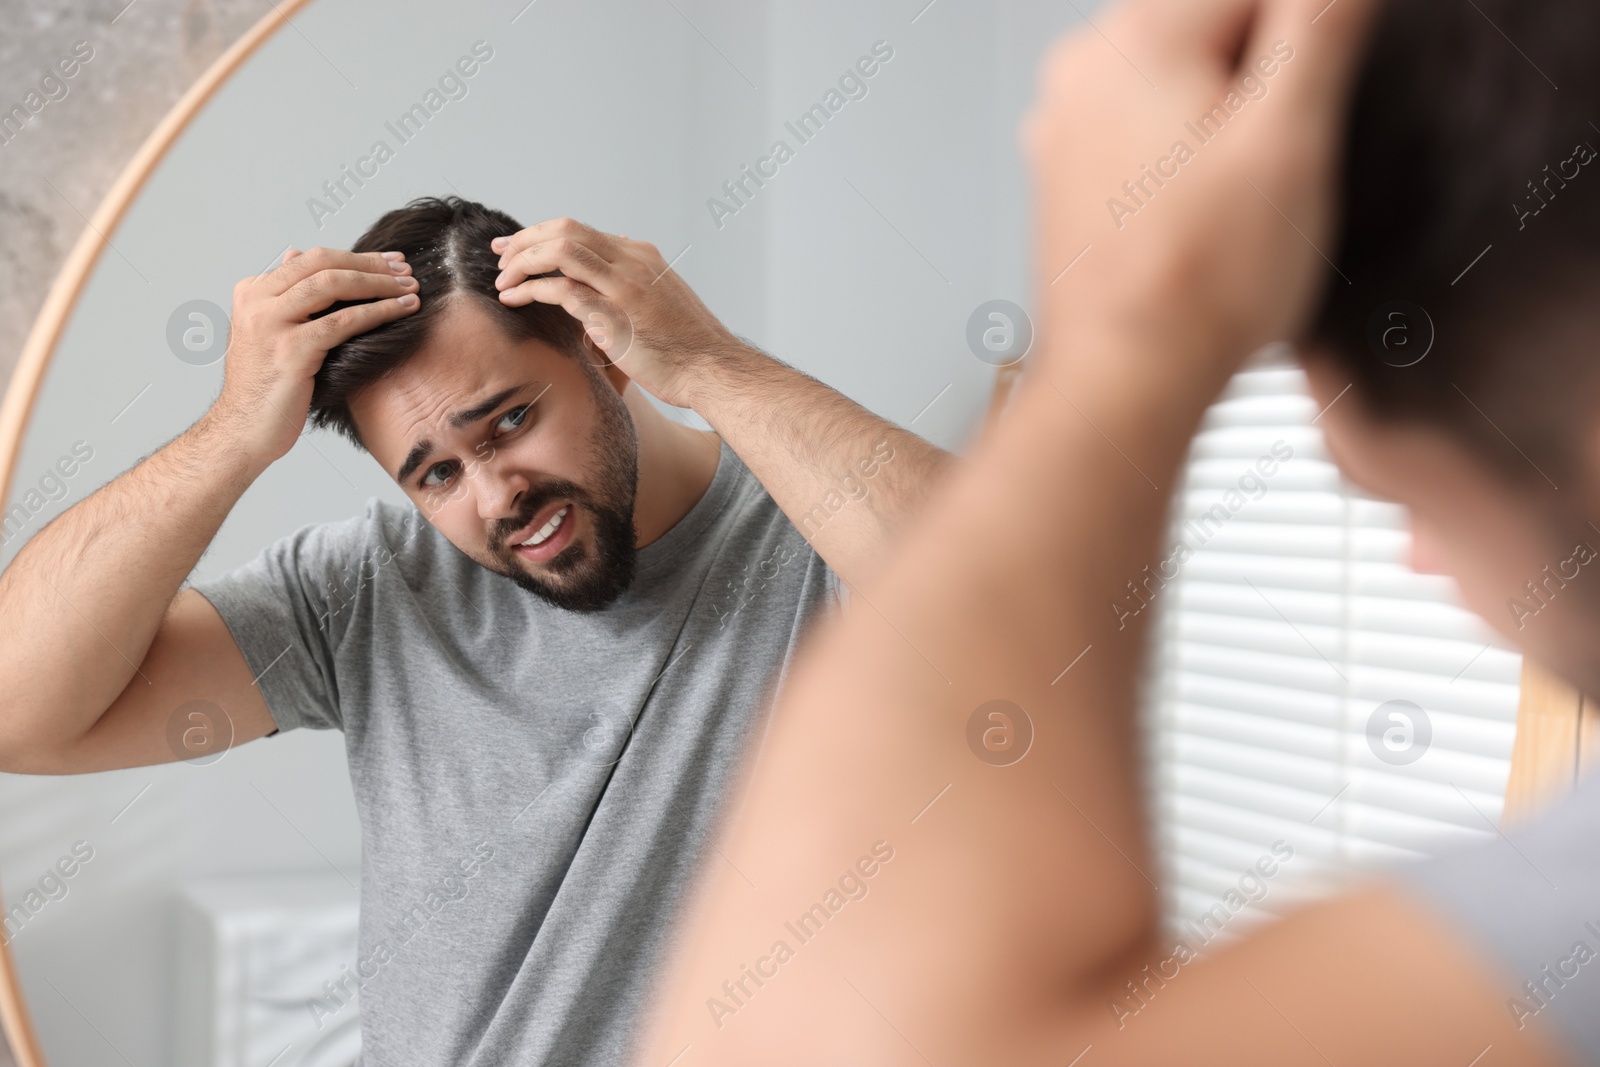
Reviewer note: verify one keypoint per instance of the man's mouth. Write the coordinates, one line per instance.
(546, 536)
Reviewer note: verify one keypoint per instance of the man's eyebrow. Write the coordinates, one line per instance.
(424, 448)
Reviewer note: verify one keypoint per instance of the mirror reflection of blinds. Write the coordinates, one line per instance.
(1293, 622)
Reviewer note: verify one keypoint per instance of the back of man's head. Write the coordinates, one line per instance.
(1471, 191)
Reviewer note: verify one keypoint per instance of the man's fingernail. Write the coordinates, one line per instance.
(392, 256)
(498, 243)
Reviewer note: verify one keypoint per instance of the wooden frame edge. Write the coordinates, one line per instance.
(22, 393)
(1558, 735)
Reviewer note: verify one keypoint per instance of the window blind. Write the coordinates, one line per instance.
(1293, 627)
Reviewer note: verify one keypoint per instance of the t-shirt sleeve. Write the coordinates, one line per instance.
(282, 609)
(1530, 900)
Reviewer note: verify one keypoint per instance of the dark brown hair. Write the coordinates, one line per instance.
(446, 241)
(1471, 191)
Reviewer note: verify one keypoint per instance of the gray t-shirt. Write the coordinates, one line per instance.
(1530, 901)
(535, 786)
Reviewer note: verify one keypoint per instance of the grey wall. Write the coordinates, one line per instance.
(859, 262)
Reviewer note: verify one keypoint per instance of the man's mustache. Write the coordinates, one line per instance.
(525, 515)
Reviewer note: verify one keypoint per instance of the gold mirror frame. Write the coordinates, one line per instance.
(1558, 729)
(23, 390)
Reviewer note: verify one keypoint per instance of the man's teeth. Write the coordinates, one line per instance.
(549, 528)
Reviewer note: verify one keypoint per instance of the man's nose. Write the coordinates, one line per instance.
(499, 490)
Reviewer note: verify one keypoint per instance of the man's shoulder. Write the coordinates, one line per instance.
(765, 546)
(749, 513)
(389, 519)
(401, 531)
(381, 526)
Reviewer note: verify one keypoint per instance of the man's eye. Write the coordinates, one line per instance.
(516, 415)
(427, 483)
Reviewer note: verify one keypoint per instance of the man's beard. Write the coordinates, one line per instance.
(585, 577)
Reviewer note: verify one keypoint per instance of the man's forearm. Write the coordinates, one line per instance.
(82, 601)
(846, 478)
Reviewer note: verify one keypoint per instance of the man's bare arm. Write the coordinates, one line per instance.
(850, 481)
(100, 648)
(82, 603)
(885, 895)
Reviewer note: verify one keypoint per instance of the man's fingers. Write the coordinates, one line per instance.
(601, 242)
(1328, 39)
(326, 287)
(296, 269)
(570, 256)
(339, 326)
(552, 290)
(1179, 34)
(1175, 34)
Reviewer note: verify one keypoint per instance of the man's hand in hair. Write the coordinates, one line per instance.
(633, 305)
(282, 330)
(1184, 159)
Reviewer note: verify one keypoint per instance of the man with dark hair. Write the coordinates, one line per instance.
(536, 775)
(1022, 922)
(1469, 227)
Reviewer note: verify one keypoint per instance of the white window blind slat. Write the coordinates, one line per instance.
(1295, 619)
